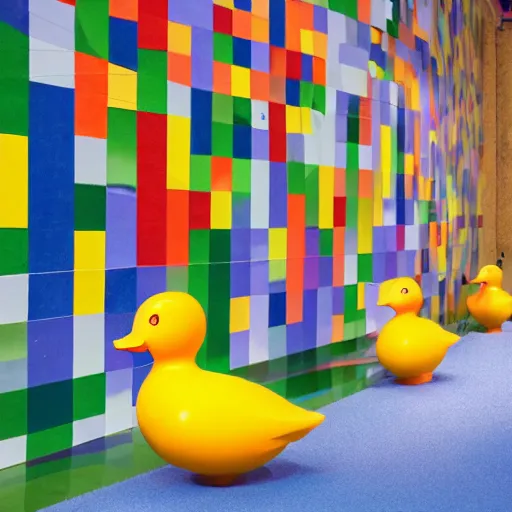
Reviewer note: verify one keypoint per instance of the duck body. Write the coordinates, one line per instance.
(216, 425)
(408, 346)
(411, 347)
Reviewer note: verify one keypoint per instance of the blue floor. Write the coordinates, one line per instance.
(444, 446)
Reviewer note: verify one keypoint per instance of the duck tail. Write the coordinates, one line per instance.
(452, 339)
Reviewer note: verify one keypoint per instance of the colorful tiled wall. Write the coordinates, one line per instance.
(268, 156)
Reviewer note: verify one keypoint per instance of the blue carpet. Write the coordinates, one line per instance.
(444, 446)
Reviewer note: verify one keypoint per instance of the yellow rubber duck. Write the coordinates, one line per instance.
(217, 426)
(491, 306)
(410, 347)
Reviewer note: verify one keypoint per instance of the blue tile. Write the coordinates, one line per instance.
(121, 291)
(50, 295)
(277, 309)
(201, 126)
(242, 141)
(123, 43)
(241, 52)
(243, 5)
(15, 14)
(277, 16)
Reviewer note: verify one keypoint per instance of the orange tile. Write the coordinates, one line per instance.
(179, 68)
(124, 9)
(319, 71)
(296, 237)
(339, 182)
(365, 131)
(222, 174)
(259, 29)
(338, 270)
(320, 45)
(338, 248)
(338, 322)
(260, 85)
(260, 8)
(91, 96)
(366, 184)
(221, 78)
(277, 91)
(242, 21)
(307, 11)
(294, 306)
(277, 61)
(177, 235)
(293, 25)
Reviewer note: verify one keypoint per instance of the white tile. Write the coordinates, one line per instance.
(13, 299)
(178, 99)
(52, 22)
(88, 429)
(354, 81)
(119, 401)
(52, 65)
(259, 114)
(88, 345)
(13, 451)
(13, 375)
(350, 269)
(90, 161)
(260, 186)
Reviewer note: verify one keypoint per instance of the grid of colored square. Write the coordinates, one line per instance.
(270, 157)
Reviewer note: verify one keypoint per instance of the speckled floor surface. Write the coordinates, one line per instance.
(444, 446)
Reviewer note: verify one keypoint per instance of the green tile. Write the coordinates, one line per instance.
(222, 108)
(349, 330)
(13, 406)
(198, 288)
(46, 442)
(242, 111)
(347, 7)
(200, 173)
(14, 81)
(352, 158)
(220, 245)
(122, 147)
(199, 244)
(276, 270)
(319, 98)
(311, 184)
(177, 279)
(350, 292)
(352, 209)
(90, 207)
(241, 175)
(306, 94)
(13, 251)
(222, 48)
(152, 81)
(326, 242)
(89, 396)
(365, 268)
(50, 406)
(353, 129)
(92, 27)
(222, 139)
(296, 177)
(13, 341)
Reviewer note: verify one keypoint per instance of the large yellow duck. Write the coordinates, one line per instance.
(217, 426)
(491, 306)
(410, 347)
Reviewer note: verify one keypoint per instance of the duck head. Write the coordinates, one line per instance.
(490, 275)
(402, 294)
(171, 325)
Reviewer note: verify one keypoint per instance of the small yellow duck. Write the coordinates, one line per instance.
(217, 426)
(491, 306)
(410, 347)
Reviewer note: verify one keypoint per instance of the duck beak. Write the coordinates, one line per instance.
(479, 279)
(131, 343)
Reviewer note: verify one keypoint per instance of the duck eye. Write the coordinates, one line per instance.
(403, 291)
(154, 320)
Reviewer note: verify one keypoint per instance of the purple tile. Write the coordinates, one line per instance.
(197, 13)
(278, 196)
(341, 103)
(259, 278)
(379, 239)
(241, 211)
(379, 267)
(325, 271)
(119, 381)
(202, 58)
(310, 319)
(363, 36)
(340, 155)
(240, 244)
(338, 300)
(50, 350)
(384, 91)
(117, 326)
(259, 244)
(411, 263)
(121, 228)
(311, 273)
(239, 349)
(390, 238)
(324, 316)
(259, 144)
(312, 241)
(260, 56)
(150, 281)
(409, 212)
(295, 147)
(391, 265)
(341, 128)
(385, 111)
(295, 338)
(277, 286)
(139, 376)
(352, 56)
(320, 19)
(240, 279)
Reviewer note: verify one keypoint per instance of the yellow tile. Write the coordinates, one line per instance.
(179, 38)
(89, 292)
(277, 243)
(307, 44)
(305, 114)
(225, 3)
(376, 35)
(13, 181)
(220, 210)
(360, 295)
(89, 250)
(240, 82)
(385, 160)
(325, 197)
(178, 153)
(293, 119)
(239, 314)
(122, 87)
(337, 328)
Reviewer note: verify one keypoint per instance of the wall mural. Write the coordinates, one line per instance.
(271, 158)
